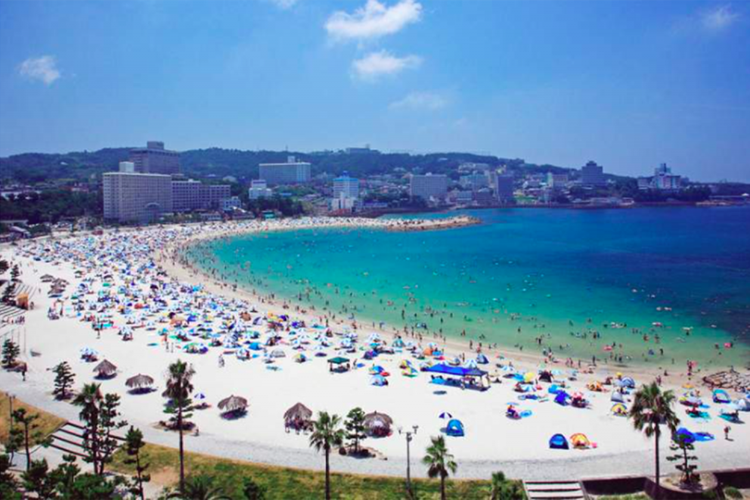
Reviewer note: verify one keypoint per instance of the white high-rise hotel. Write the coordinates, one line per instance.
(291, 172)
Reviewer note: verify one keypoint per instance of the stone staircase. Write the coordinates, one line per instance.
(554, 490)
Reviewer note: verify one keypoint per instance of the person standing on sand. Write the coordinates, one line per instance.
(726, 432)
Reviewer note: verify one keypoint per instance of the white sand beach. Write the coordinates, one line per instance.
(134, 282)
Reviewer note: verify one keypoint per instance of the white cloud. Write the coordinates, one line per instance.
(421, 100)
(284, 4)
(378, 64)
(42, 68)
(374, 20)
(719, 18)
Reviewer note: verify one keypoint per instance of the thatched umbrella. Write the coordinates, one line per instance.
(298, 412)
(139, 381)
(105, 369)
(378, 424)
(233, 403)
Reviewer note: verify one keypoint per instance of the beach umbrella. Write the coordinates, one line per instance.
(105, 369)
(139, 381)
(298, 412)
(529, 376)
(87, 351)
(199, 397)
(378, 423)
(378, 380)
(233, 403)
(278, 353)
(743, 404)
(445, 415)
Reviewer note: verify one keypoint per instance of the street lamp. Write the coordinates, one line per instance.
(409, 436)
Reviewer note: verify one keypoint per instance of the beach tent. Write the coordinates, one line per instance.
(743, 404)
(470, 364)
(620, 410)
(455, 428)
(721, 396)
(378, 380)
(684, 435)
(625, 382)
(482, 359)
(580, 441)
(617, 397)
(562, 398)
(558, 442)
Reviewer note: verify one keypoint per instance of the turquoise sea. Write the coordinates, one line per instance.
(562, 276)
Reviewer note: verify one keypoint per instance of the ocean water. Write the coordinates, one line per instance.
(573, 281)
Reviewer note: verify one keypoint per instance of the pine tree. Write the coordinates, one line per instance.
(355, 427)
(683, 445)
(11, 351)
(30, 430)
(64, 379)
(133, 445)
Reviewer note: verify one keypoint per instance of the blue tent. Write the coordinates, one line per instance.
(455, 428)
(721, 396)
(558, 442)
(482, 359)
(378, 380)
(455, 370)
(685, 436)
(562, 398)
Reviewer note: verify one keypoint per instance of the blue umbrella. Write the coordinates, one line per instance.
(446, 415)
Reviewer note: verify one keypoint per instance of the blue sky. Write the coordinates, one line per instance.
(628, 84)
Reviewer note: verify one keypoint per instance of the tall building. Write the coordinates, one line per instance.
(190, 195)
(504, 188)
(127, 166)
(346, 187)
(259, 189)
(592, 174)
(136, 197)
(428, 186)
(663, 180)
(154, 159)
(291, 172)
(474, 181)
(557, 181)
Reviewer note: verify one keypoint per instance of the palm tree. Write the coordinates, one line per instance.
(652, 408)
(326, 434)
(199, 488)
(90, 399)
(179, 388)
(439, 462)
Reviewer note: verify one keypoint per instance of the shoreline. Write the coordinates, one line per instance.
(190, 272)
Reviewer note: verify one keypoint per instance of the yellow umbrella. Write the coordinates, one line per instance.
(529, 377)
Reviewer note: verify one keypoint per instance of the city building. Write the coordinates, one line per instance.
(230, 204)
(557, 181)
(343, 204)
(136, 197)
(346, 187)
(474, 181)
(259, 189)
(127, 166)
(291, 172)
(154, 159)
(188, 195)
(592, 175)
(662, 180)
(428, 186)
(504, 188)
